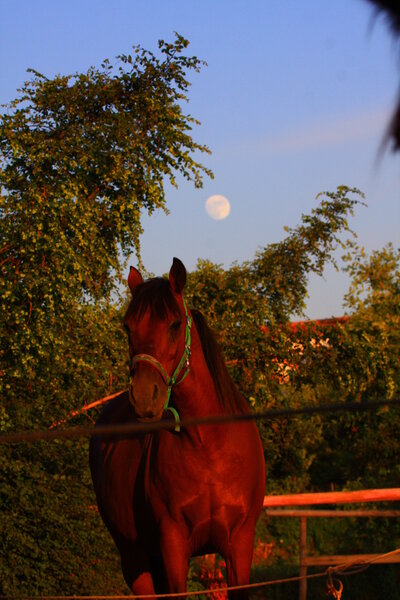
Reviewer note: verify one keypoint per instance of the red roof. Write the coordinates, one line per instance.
(332, 322)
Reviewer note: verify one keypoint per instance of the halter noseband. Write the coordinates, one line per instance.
(170, 381)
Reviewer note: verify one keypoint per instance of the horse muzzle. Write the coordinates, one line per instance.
(147, 400)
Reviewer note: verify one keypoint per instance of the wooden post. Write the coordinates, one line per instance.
(303, 554)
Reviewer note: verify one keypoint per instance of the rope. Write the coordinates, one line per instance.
(169, 424)
(343, 569)
(172, 595)
(336, 592)
(329, 572)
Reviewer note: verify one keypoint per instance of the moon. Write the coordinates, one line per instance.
(218, 207)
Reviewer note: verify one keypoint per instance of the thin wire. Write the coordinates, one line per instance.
(172, 595)
(339, 570)
(169, 424)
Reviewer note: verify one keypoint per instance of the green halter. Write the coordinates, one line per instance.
(173, 380)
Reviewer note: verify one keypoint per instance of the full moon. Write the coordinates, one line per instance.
(218, 207)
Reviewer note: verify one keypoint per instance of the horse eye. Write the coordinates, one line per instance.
(175, 326)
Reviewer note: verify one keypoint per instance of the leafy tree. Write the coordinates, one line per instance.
(374, 300)
(251, 304)
(367, 347)
(82, 156)
(362, 450)
(276, 364)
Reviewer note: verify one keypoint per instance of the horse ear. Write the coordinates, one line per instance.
(134, 279)
(177, 276)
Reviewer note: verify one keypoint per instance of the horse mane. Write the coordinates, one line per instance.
(229, 397)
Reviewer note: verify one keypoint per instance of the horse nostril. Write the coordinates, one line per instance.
(155, 392)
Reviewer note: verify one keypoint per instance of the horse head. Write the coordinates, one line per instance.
(158, 327)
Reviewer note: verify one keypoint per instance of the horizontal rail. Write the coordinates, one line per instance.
(135, 427)
(347, 497)
(287, 512)
(358, 496)
(378, 495)
(353, 559)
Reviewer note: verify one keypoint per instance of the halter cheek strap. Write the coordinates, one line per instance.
(173, 380)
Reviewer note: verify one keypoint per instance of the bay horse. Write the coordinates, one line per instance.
(171, 495)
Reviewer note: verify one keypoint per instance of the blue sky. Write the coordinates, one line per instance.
(294, 101)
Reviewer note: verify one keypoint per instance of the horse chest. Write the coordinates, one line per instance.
(195, 486)
(205, 514)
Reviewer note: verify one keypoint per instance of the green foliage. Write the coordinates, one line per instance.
(82, 157)
(52, 538)
(374, 299)
(280, 271)
(250, 304)
(277, 364)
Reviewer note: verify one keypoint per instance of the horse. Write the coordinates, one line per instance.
(169, 495)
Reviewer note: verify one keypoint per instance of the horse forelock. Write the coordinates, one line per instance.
(154, 295)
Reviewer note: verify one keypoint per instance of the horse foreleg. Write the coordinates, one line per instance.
(238, 557)
(175, 556)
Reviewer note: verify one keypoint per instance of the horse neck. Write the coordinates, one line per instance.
(196, 395)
